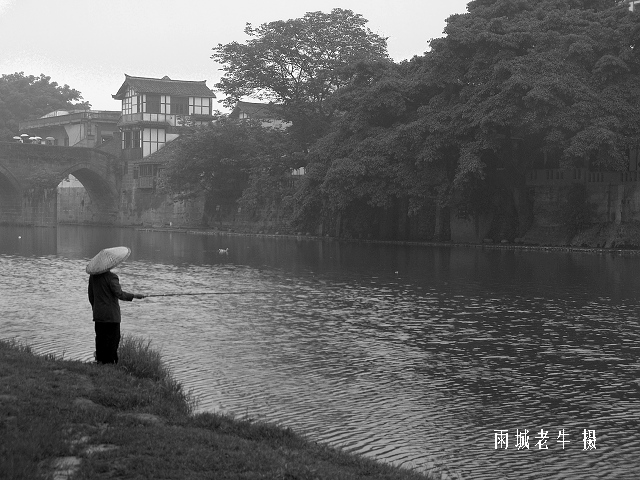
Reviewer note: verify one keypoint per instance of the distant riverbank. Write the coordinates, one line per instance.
(484, 245)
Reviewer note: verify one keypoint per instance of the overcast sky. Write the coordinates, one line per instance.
(91, 44)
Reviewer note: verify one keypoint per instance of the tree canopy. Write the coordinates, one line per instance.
(25, 97)
(369, 159)
(528, 80)
(217, 160)
(513, 84)
(298, 63)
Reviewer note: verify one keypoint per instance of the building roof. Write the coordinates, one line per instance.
(166, 153)
(68, 117)
(164, 86)
(258, 111)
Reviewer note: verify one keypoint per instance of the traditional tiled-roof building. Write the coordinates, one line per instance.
(154, 109)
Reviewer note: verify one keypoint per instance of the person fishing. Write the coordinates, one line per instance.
(104, 295)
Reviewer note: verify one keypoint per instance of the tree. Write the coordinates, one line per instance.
(368, 163)
(271, 187)
(298, 63)
(514, 84)
(553, 79)
(28, 97)
(216, 161)
(531, 82)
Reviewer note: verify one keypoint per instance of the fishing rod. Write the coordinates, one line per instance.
(203, 293)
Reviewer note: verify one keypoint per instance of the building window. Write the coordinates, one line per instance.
(127, 138)
(179, 106)
(165, 103)
(126, 105)
(131, 103)
(200, 106)
(131, 139)
(148, 169)
(148, 173)
(153, 139)
(153, 104)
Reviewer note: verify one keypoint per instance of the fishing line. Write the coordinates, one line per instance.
(202, 293)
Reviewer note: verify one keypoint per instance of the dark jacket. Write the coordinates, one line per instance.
(104, 292)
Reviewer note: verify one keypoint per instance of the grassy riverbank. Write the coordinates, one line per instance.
(65, 419)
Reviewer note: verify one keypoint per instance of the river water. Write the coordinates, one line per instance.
(414, 355)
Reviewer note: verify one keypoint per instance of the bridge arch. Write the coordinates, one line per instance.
(102, 193)
(30, 173)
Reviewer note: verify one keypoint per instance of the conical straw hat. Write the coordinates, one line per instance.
(107, 259)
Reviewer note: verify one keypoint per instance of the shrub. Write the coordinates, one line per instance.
(136, 357)
(14, 344)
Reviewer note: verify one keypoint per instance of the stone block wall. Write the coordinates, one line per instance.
(469, 230)
(147, 208)
(612, 202)
(40, 207)
(75, 206)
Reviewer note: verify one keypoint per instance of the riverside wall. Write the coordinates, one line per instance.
(615, 222)
(147, 208)
(615, 211)
(137, 208)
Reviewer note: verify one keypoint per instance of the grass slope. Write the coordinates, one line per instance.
(134, 421)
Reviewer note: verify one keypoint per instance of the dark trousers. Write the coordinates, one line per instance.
(107, 341)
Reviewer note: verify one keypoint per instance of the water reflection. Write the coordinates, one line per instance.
(414, 355)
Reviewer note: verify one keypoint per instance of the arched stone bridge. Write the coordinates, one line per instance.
(29, 175)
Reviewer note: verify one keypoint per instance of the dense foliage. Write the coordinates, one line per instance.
(217, 161)
(369, 163)
(523, 81)
(298, 63)
(514, 85)
(26, 97)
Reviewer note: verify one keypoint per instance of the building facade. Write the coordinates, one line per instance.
(154, 111)
(74, 128)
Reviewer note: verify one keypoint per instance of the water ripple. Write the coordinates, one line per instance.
(417, 368)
